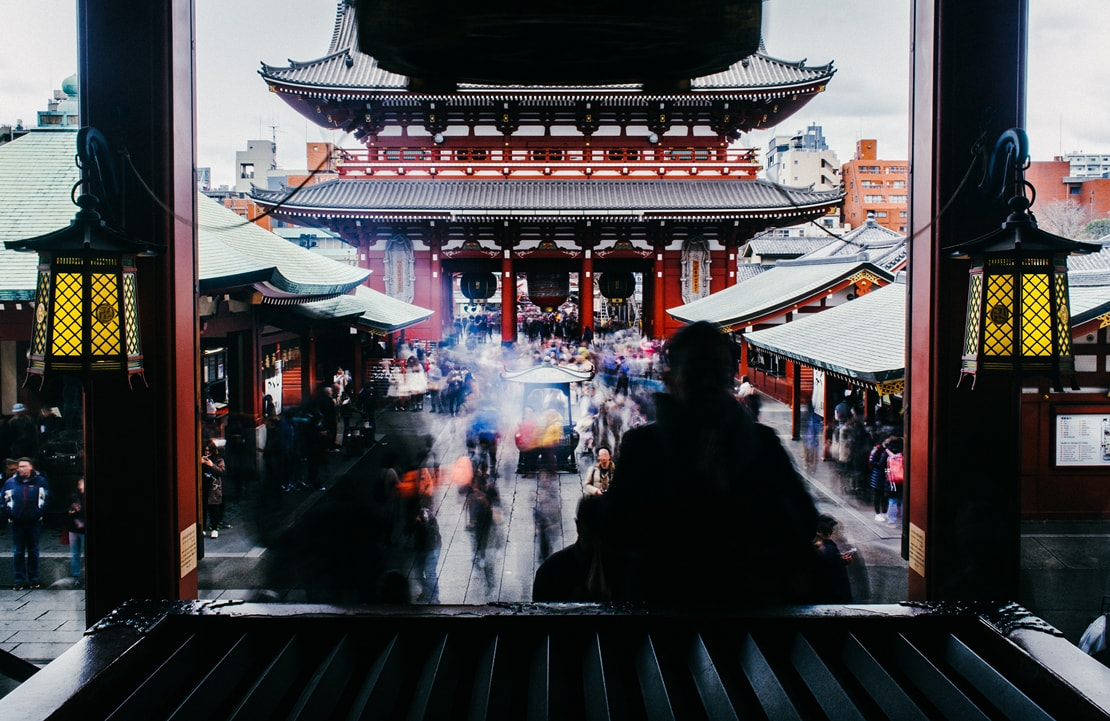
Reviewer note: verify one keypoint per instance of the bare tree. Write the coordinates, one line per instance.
(1065, 218)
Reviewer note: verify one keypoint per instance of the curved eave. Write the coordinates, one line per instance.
(828, 341)
(233, 281)
(803, 297)
(874, 377)
(631, 200)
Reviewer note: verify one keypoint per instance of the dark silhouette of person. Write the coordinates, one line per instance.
(832, 585)
(580, 571)
(705, 506)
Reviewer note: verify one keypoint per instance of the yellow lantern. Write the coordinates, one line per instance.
(86, 299)
(1018, 320)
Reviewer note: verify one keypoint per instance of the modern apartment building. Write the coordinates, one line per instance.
(875, 186)
(803, 159)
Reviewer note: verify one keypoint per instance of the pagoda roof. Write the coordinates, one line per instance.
(774, 292)
(357, 197)
(830, 340)
(347, 72)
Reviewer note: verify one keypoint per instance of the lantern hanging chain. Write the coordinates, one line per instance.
(246, 221)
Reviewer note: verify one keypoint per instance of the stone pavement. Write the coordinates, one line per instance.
(1065, 566)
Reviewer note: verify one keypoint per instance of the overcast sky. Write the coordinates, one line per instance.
(867, 40)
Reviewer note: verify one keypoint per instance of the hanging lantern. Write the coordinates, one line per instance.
(548, 290)
(617, 286)
(86, 300)
(1018, 320)
(478, 287)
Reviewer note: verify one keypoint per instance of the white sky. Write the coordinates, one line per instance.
(867, 40)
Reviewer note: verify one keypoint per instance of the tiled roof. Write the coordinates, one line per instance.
(366, 307)
(36, 174)
(1092, 261)
(565, 197)
(776, 289)
(345, 68)
(770, 247)
(871, 241)
(241, 248)
(1088, 293)
(864, 339)
(747, 271)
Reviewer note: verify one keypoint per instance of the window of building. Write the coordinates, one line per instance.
(880, 213)
(898, 198)
(246, 170)
(898, 184)
(872, 198)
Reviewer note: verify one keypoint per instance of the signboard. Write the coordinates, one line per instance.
(1083, 439)
(188, 550)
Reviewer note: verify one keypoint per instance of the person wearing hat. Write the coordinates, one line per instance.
(23, 433)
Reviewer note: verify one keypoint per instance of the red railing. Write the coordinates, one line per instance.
(553, 162)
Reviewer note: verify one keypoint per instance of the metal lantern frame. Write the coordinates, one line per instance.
(1018, 319)
(86, 317)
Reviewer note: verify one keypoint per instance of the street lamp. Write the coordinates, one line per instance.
(86, 302)
(1018, 320)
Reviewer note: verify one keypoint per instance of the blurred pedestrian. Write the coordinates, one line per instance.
(75, 526)
(832, 585)
(426, 542)
(212, 468)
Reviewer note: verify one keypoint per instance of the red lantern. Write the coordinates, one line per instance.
(548, 290)
(617, 287)
(478, 287)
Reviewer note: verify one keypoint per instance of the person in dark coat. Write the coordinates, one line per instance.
(579, 571)
(833, 585)
(704, 498)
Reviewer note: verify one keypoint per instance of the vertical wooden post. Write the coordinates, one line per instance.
(141, 465)
(963, 445)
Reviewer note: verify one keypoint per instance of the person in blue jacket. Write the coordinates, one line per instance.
(23, 499)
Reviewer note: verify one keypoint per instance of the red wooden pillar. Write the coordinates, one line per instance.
(508, 298)
(586, 289)
(963, 539)
(142, 445)
(437, 291)
(795, 399)
(659, 297)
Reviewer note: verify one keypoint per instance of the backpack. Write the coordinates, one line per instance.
(895, 468)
